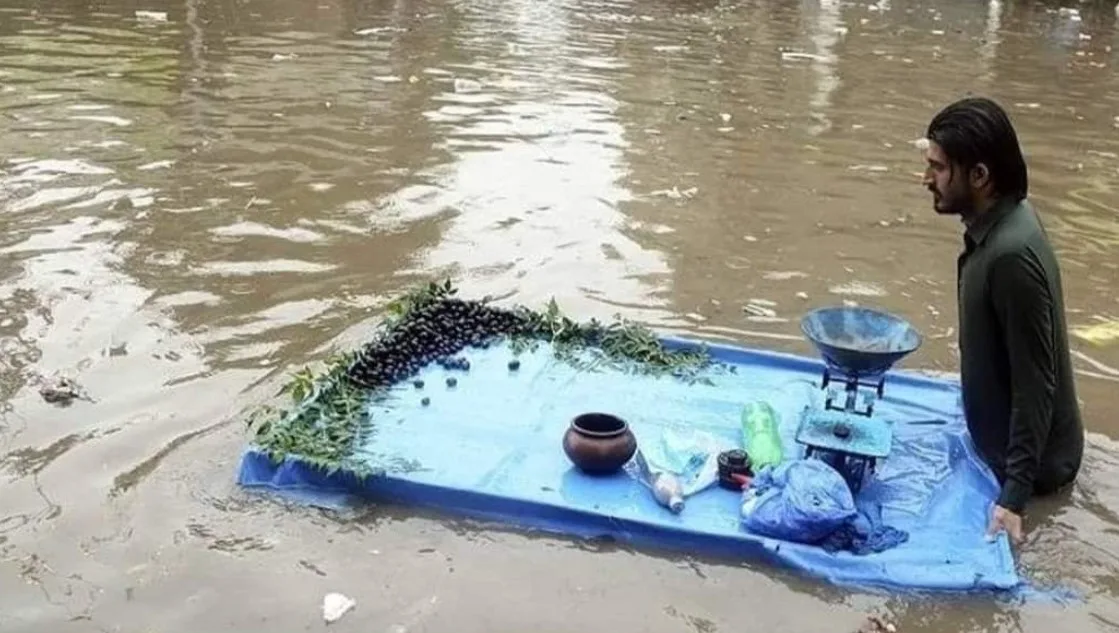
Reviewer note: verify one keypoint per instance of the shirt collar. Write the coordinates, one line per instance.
(979, 230)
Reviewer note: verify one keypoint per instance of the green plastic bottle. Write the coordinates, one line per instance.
(760, 435)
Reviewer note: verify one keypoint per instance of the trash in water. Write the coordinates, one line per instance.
(758, 309)
(277, 57)
(782, 275)
(388, 79)
(725, 117)
(675, 193)
(1102, 333)
(858, 288)
(152, 16)
(334, 606)
(793, 56)
(379, 29)
(1070, 13)
(62, 391)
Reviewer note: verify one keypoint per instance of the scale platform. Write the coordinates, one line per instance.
(843, 432)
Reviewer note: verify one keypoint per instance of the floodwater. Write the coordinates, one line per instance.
(197, 200)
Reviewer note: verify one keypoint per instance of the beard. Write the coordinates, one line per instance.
(950, 202)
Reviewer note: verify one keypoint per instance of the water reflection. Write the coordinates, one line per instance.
(224, 193)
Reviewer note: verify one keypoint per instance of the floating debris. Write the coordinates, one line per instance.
(760, 309)
(336, 605)
(379, 29)
(159, 164)
(793, 56)
(1103, 333)
(151, 16)
(675, 193)
(1070, 13)
(784, 275)
(858, 288)
(63, 392)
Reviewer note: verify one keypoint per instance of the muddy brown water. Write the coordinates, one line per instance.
(196, 202)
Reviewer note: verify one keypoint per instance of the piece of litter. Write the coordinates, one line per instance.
(725, 117)
(378, 29)
(159, 164)
(334, 606)
(755, 310)
(726, 129)
(62, 391)
(802, 295)
(1102, 333)
(388, 79)
(675, 193)
(858, 288)
(794, 56)
(413, 79)
(152, 16)
(277, 57)
(781, 275)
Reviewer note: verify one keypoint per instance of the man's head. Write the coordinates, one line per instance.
(973, 158)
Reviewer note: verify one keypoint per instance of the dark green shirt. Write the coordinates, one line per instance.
(1018, 392)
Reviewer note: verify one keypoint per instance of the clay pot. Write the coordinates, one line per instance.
(599, 443)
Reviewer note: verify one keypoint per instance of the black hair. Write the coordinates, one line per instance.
(977, 130)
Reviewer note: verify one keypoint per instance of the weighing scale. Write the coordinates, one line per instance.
(859, 346)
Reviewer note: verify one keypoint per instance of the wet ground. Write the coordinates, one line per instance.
(199, 199)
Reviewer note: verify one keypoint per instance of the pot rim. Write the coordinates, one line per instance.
(624, 426)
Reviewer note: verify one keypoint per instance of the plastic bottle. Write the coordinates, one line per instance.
(760, 435)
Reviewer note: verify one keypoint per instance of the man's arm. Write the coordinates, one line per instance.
(1022, 301)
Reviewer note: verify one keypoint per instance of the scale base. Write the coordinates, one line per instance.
(849, 440)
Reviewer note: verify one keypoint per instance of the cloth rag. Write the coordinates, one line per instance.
(865, 533)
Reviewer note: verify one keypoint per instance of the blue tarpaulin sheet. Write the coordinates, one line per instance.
(491, 448)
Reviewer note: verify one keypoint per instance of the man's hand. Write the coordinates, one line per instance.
(1003, 519)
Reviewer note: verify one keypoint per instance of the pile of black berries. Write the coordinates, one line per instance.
(436, 332)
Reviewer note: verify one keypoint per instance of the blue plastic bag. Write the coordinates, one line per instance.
(802, 501)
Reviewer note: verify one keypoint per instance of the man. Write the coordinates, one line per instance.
(1015, 370)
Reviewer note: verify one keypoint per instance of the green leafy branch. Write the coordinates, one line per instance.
(327, 415)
